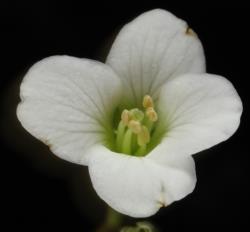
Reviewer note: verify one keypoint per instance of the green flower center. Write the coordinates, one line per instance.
(136, 132)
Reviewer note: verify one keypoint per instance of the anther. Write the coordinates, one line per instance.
(135, 126)
(147, 101)
(125, 117)
(152, 115)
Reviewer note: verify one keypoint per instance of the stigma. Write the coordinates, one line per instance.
(134, 130)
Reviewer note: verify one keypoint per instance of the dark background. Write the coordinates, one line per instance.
(42, 191)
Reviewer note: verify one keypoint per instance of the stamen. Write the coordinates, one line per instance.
(127, 142)
(152, 115)
(134, 130)
(125, 117)
(135, 126)
(120, 135)
(143, 137)
(147, 101)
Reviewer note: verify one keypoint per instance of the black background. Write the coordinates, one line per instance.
(42, 191)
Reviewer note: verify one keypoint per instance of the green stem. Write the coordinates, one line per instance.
(112, 223)
(114, 218)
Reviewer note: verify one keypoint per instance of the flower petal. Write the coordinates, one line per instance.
(67, 103)
(200, 110)
(153, 48)
(138, 187)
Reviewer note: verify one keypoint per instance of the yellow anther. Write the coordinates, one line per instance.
(125, 117)
(143, 137)
(135, 126)
(147, 101)
(152, 115)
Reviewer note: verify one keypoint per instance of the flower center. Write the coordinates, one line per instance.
(135, 128)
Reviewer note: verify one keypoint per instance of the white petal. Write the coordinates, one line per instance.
(67, 103)
(138, 187)
(200, 110)
(153, 48)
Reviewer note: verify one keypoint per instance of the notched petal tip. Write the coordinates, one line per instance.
(190, 31)
(161, 204)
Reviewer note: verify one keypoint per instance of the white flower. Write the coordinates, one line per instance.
(136, 120)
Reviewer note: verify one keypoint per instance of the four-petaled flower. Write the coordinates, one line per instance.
(136, 120)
